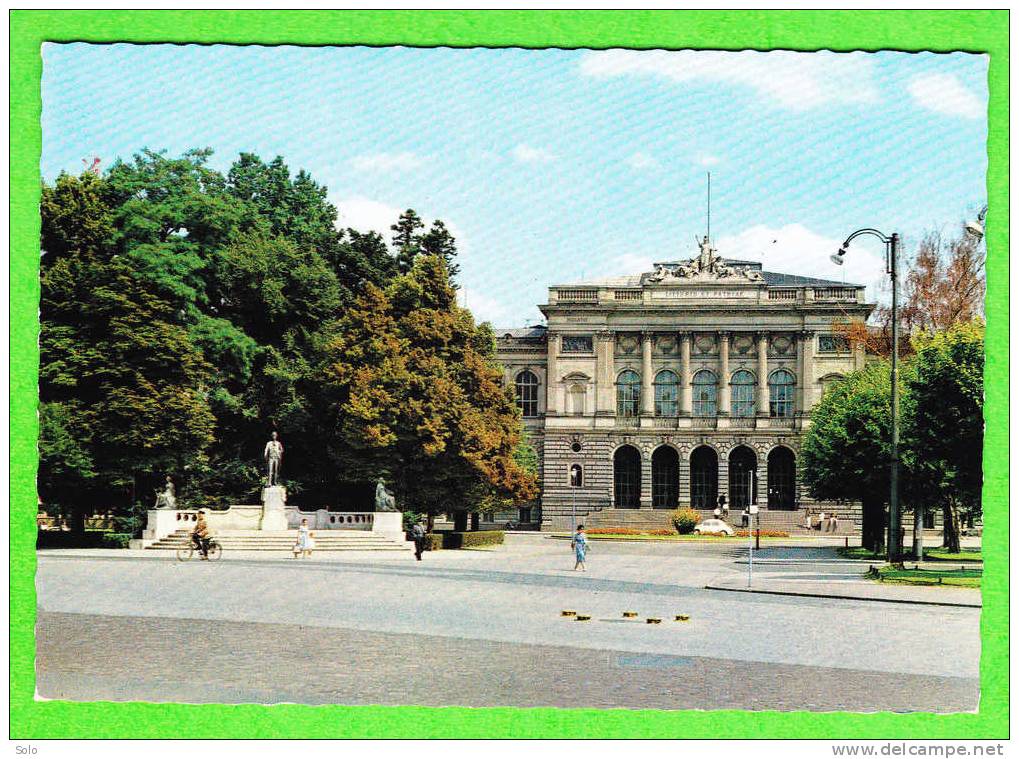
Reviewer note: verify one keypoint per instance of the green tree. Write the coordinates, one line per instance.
(438, 241)
(406, 239)
(845, 453)
(944, 427)
(122, 387)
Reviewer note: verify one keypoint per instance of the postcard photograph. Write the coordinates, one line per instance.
(630, 379)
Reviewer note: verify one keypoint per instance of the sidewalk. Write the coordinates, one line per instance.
(859, 591)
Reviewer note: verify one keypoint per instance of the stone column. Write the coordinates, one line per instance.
(645, 480)
(552, 376)
(685, 380)
(724, 392)
(763, 405)
(605, 386)
(802, 340)
(808, 371)
(647, 388)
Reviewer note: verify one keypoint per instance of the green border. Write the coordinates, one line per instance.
(978, 31)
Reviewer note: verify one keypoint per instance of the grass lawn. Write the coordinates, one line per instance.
(965, 578)
(929, 554)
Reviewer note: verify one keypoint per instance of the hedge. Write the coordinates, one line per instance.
(472, 539)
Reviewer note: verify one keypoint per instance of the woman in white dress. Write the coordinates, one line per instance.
(305, 540)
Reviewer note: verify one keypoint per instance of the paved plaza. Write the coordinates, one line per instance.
(483, 628)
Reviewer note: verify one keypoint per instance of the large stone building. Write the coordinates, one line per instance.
(675, 386)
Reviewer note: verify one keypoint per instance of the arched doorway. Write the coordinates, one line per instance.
(781, 478)
(703, 477)
(626, 477)
(665, 478)
(742, 476)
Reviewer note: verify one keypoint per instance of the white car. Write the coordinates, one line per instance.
(713, 526)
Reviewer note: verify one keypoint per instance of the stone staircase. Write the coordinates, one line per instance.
(252, 540)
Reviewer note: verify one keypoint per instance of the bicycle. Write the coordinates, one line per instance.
(214, 551)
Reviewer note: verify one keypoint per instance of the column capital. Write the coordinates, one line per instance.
(723, 334)
(647, 334)
(762, 334)
(685, 335)
(604, 335)
(552, 334)
(805, 334)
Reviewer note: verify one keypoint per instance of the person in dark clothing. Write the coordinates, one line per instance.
(417, 532)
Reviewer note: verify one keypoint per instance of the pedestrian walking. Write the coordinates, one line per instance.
(833, 523)
(579, 546)
(417, 533)
(305, 540)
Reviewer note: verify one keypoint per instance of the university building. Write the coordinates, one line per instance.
(672, 387)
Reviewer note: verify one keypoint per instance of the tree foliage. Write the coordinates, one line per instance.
(845, 452)
(943, 431)
(186, 312)
(418, 397)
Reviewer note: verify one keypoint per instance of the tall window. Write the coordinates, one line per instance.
(705, 393)
(527, 393)
(781, 392)
(743, 400)
(666, 394)
(628, 394)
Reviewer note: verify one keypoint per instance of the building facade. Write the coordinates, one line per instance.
(674, 387)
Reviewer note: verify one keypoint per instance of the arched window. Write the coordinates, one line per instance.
(576, 476)
(527, 393)
(743, 400)
(705, 393)
(781, 393)
(666, 394)
(628, 394)
(576, 398)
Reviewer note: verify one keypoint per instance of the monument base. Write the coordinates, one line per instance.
(274, 504)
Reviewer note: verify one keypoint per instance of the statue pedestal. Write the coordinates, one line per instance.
(274, 501)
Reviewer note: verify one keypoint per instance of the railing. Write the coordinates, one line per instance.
(781, 295)
(743, 422)
(627, 421)
(628, 295)
(835, 293)
(585, 296)
(782, 422)
(703, 422)
(666, 422)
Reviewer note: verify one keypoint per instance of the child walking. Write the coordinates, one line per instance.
(579, 546)
(305, 543)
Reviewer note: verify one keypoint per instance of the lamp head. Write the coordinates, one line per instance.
(838, 258)
(974, 229)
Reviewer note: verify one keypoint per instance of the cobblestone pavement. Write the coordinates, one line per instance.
(493, 617)
(194, 660)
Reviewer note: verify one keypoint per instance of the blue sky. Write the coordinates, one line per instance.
(555, 165)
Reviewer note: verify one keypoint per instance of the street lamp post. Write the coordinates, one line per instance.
(892, 267)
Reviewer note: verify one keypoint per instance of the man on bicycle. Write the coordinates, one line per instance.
(200, 535)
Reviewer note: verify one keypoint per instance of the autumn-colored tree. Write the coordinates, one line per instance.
(420, 399)
(942, 283)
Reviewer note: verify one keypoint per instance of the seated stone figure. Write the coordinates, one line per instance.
(167, 498)
(384, 500)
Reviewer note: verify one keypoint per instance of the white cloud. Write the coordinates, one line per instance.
(630, 263)
(793, 80)
(707, 160)
(486, 308)
(528, 154)
(642, 161)
(795, 249)
(944, 93)
(405, 161)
